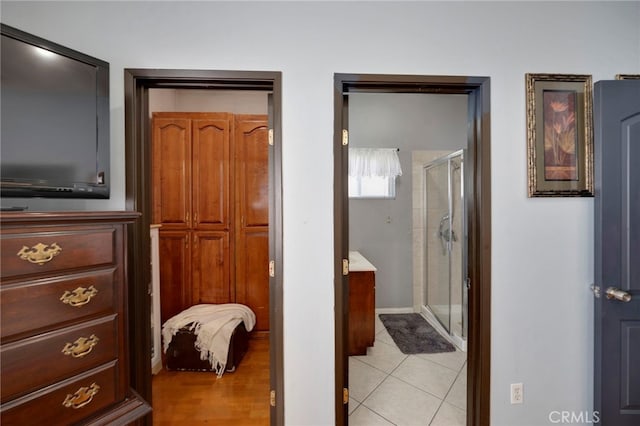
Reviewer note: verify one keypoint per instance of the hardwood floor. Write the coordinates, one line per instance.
(195, 398)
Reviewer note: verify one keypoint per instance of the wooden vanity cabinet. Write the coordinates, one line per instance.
(64, 354)
(361, 311)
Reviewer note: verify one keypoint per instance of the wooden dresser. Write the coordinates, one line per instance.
(63, 295)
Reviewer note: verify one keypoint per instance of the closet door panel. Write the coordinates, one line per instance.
(252, 215)
(252, 165)
(211, 169)
(175, 278)
(171, 153)
(211, 272)
(252, 280)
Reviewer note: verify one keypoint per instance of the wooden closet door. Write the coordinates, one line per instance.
(252, 215)
(174, 250)
(211, 158)
(171, 153)
(210, 267)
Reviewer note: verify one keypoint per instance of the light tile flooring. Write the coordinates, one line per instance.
(387, 387)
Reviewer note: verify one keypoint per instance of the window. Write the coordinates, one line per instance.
(372, 187)
(372, 172)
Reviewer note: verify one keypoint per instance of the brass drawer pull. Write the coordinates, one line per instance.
(78, 297)
(81, 347)
(82, 397)
(40, 253)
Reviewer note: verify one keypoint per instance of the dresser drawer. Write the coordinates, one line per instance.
(52, 251)
(41, 360)
(34, 305)
(66, 403)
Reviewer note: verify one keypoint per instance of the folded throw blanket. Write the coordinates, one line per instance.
(213, 326)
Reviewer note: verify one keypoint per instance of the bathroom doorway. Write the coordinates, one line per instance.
(477, 91)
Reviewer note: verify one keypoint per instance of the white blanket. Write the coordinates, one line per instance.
(213, 326)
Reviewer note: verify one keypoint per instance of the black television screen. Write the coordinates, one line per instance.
(54, 128)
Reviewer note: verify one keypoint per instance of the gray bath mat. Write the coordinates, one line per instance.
(414, 335)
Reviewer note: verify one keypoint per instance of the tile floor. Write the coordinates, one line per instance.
(388, 387)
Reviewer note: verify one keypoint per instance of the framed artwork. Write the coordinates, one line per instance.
(627, 76)
(559, 135)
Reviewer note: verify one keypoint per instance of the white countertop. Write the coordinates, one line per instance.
(358, 263)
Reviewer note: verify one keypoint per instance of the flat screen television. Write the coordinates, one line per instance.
(54, 128)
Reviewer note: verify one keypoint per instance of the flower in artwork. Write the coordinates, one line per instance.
(559, 106)
(560, 135)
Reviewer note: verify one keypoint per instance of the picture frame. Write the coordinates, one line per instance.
(559, 135)
(627, 76)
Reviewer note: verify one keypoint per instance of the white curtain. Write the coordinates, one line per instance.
(368, 162)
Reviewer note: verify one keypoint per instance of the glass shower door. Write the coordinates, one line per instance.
(438, 240)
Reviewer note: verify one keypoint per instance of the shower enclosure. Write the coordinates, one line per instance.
(445, 290)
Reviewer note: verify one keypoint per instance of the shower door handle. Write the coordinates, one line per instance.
(444, 220)
(446, 234)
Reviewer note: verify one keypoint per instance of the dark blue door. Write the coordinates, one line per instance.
(617, 252)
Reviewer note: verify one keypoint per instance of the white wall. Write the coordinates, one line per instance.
(542, 248)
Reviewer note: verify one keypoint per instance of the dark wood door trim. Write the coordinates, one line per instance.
(479, 221)
(138, 198)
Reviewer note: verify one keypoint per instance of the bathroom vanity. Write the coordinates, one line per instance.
(362, 303)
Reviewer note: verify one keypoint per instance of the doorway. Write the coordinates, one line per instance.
(138, 82)
(478, 207)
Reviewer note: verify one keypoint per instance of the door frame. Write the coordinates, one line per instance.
(479, 225)
(137, 83)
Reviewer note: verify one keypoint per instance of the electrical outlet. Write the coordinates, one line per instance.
(517, 395)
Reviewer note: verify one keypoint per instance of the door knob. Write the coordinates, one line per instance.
(621, 295)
